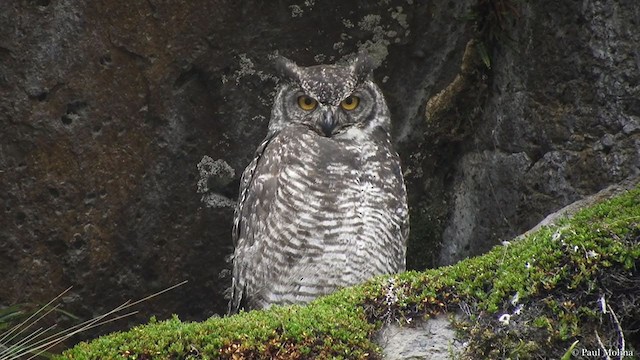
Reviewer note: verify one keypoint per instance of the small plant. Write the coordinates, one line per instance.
(492, 19)
(18, 338)
(28, 340)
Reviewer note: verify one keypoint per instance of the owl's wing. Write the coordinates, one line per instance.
(242, 238)
(239, 215)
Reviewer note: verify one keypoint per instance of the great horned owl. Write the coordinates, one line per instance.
(323, 204)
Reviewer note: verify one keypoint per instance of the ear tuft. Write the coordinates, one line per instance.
(286, 69)
(363, 66)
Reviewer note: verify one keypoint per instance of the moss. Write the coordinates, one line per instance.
(330, 329)
(550, 285)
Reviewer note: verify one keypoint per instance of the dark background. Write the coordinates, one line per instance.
(107, 107)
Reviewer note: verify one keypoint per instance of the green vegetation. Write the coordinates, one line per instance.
(331, 328)
(539, 297)
(492, 20)
(24, 333)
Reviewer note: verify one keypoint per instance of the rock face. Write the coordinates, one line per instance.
(561, 120)
(108, 107)
(433, 339)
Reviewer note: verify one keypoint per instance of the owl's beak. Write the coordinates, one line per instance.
(328, 123)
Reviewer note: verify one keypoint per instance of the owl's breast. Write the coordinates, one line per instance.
(343, 201)
(322, 213)
(329, 170)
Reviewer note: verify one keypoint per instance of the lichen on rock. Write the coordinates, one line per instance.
(214, 176)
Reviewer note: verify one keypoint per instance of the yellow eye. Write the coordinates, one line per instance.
(306, 103)
(350, 103)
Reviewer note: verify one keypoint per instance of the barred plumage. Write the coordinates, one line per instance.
(323, 203)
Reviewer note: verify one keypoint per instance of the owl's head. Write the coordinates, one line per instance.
(329, 99)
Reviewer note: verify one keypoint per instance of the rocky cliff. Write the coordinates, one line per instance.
(108, 107)
(561, 120)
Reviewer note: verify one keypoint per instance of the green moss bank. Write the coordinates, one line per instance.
(571, 286)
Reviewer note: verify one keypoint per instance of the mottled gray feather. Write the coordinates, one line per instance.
(318, 212)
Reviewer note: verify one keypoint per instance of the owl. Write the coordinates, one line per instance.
(323, 204)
